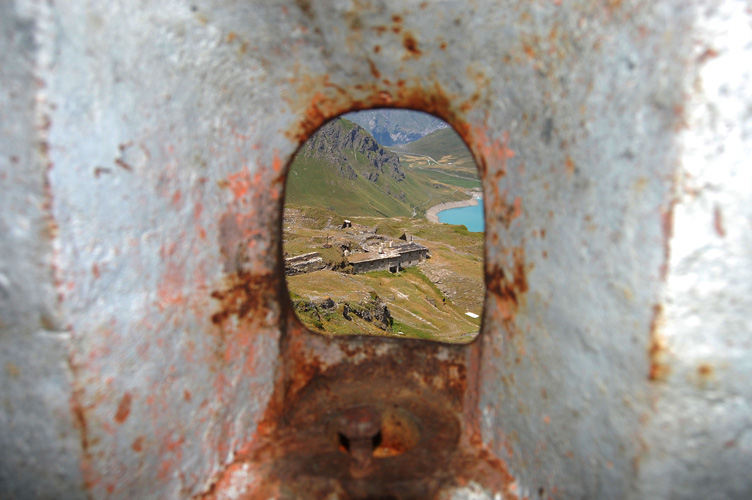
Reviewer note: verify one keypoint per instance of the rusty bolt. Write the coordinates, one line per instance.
(359, 430)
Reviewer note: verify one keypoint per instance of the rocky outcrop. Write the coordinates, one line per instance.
(373, 310)
(353, 150)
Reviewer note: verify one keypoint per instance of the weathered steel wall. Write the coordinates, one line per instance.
(149, 350)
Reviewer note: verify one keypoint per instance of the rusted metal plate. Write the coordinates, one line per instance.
(141, 250)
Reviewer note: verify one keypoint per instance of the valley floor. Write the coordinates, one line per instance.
(428, 301)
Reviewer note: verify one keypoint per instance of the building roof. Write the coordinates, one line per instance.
(408, 247)
(369, 256)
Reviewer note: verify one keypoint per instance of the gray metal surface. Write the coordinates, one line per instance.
(148, 348)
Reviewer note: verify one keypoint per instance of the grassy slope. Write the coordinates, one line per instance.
(414, 301)
(444, 142)
(450, 154)
(419, 308)
(314, 182)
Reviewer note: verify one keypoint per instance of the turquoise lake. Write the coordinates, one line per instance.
(470, 217)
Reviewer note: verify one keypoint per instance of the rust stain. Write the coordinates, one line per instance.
(718, 224)
(411, 45)
(90, 476)
(171, 286)
(708, 54)
(138, 444)
(305, 7)
(614, 4)
(374, 69)
(569, 164)
(12, 369)
(419, 395)
(99, 170)
(120, 163)
(658, 349)
(124, 408)
(508, 293)
(322, 375)
(239, 183)
(245, 292)
(705, 370)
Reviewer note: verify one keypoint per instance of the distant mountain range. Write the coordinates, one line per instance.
(396, 126)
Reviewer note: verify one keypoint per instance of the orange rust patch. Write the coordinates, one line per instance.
(138, 444)
(705, 373)
(239, 183)
(411, 45)
(614, 4)
(124, 408)
(704, 370)
(507, 293)
(708, 54)
(569, 165)
(276, 161)
(246, 292)
(658, 350)
(374, 69)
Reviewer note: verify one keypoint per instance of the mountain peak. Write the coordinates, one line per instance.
(353, 150)
(396, 126)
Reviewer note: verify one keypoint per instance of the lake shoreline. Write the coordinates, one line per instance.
(432, 214)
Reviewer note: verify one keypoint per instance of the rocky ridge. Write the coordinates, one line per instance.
(332, 141)
(391, 127)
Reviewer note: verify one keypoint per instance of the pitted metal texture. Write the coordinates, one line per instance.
(149, 347)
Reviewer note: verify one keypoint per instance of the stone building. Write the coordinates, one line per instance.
(305, 263)
(389, 259)
(411, 254)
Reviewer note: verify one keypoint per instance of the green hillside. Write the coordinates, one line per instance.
(443, 151)
(343, 169)
(444, 142)
(428, 301)
(342, 172)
